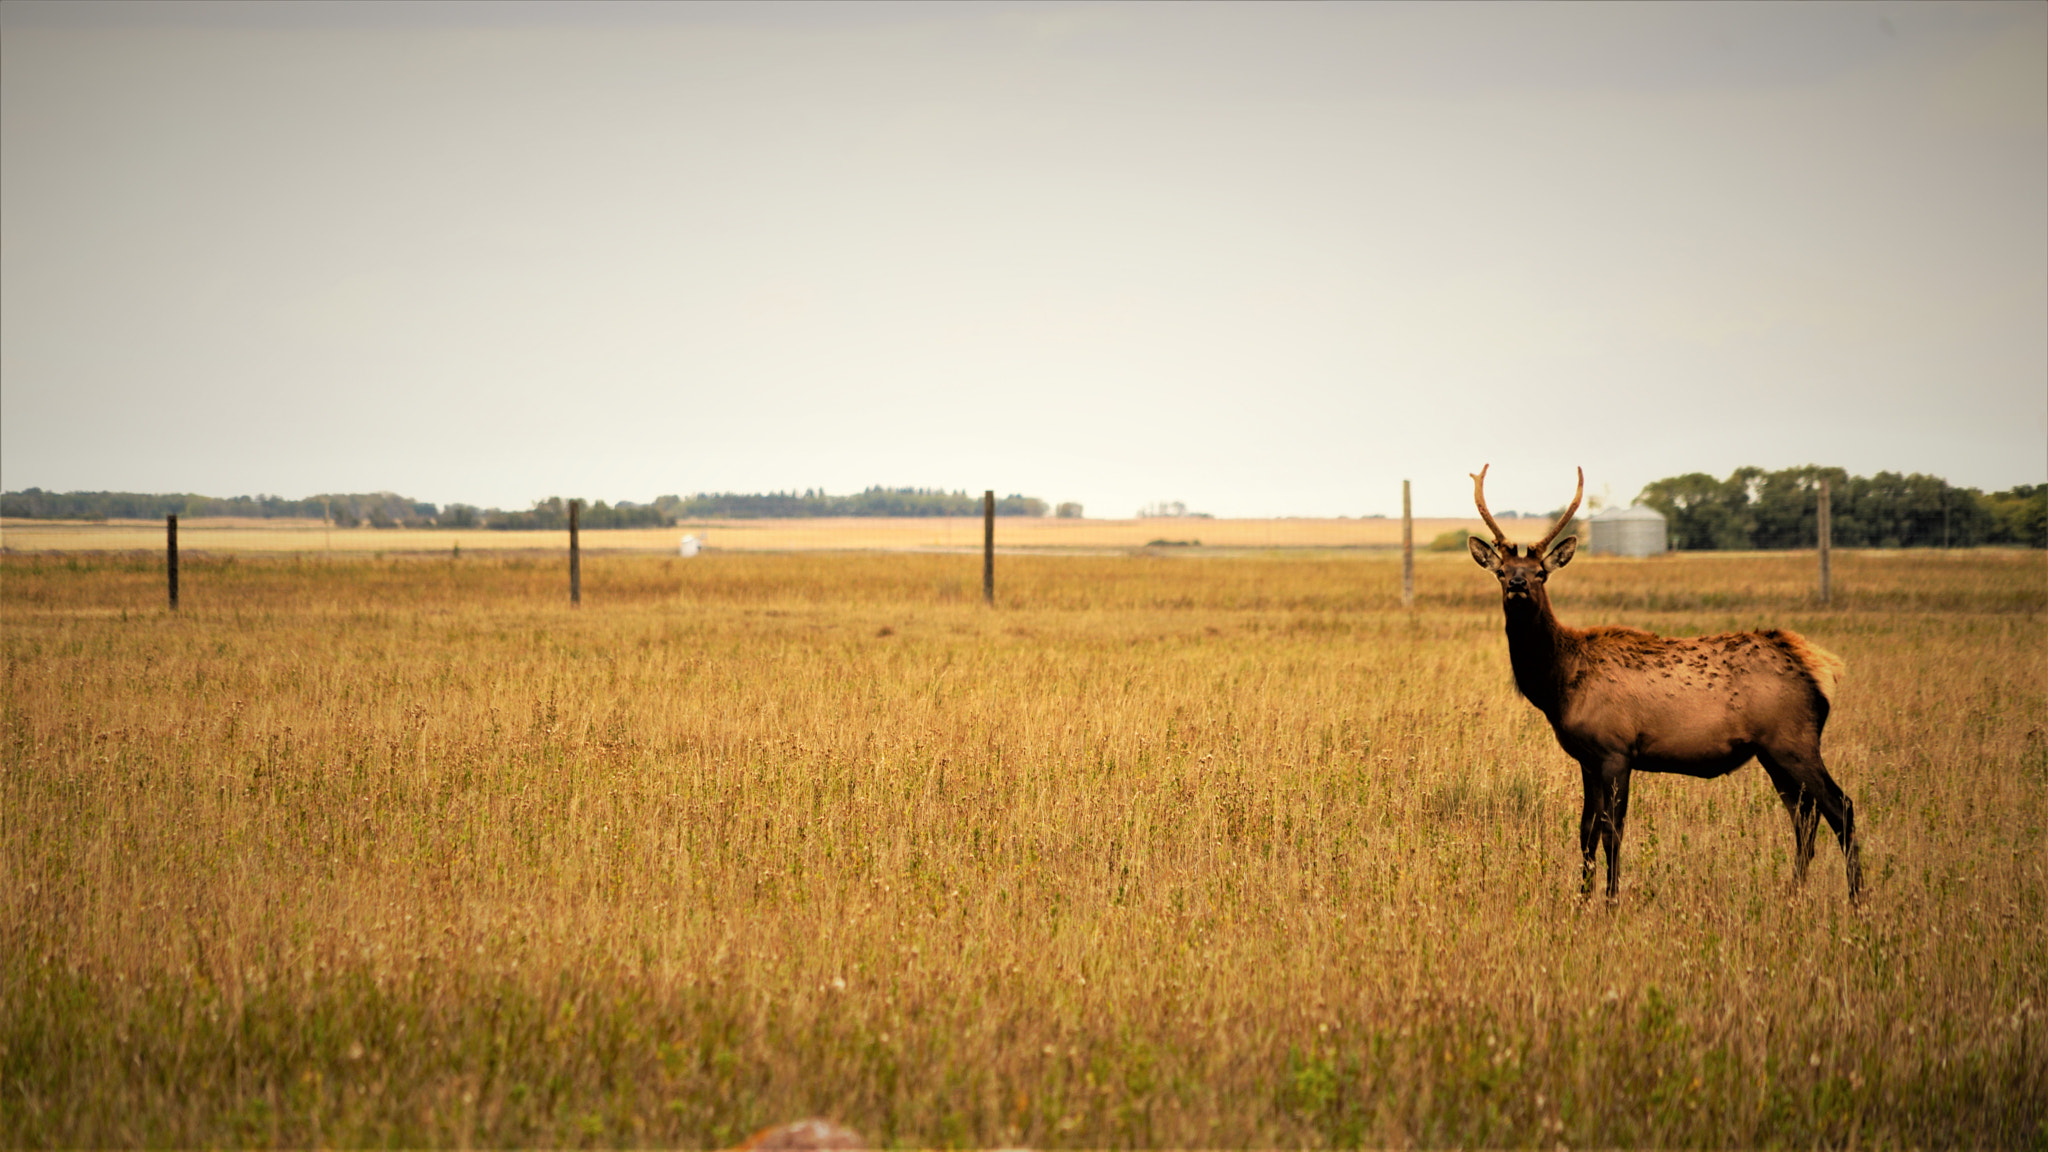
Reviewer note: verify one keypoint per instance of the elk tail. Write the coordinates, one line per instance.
(1821, 666)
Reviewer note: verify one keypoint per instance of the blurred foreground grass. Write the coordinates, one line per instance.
(1161, 851)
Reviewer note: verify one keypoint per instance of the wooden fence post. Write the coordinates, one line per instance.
(1407, 549)
(988, 547)
(171, 556)
(1824, 533)
(575, 558)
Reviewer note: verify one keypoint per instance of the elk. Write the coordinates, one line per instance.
(1622, 700)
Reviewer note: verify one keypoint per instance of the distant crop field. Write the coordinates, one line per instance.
(856, 533)
(1196, 852)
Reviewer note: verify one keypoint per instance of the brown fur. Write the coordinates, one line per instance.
(1821, 666)
(1622, 700)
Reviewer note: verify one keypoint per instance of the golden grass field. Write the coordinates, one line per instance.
(866, 533)
(1161, 851)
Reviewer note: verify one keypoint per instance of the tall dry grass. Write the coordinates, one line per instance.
(1184, 851)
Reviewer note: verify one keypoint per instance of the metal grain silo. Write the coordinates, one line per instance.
(1631, 531)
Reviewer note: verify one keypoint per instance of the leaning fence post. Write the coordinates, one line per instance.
(171, 555)
(1823, 532)
(988, 547)
(575, 558)
(1407, 550)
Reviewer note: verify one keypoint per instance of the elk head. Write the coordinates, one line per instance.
(1522, 569)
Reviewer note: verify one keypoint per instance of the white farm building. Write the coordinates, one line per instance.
(1631, 531)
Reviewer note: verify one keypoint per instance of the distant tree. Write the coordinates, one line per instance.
(1754, 508)
(1068, 510)
(874, 501)
(551, 514)
(348, 508)
(342, 512)
(1700, 511)
(1893, 511)
(2017, 515)
(624, 514)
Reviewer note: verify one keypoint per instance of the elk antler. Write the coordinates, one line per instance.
(1564, 519)
(1479, 498)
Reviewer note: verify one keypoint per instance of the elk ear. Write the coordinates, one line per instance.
(1484, 554)
(1561, 554)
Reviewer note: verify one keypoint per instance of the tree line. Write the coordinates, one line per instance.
(552, 514)
(348, 509)
(875, 501)
(1756, 508)
(390, 510)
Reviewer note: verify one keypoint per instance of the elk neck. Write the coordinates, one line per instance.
(1538, 647)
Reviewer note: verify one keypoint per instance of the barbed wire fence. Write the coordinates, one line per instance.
(989, 535)
(1165, 535)
(1029, 535)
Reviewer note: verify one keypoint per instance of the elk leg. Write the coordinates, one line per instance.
(1614, 831)
(1601, 819)
(1810, 795)
(1589, 824)
(1805, 811)
(1852, 857)
(1845, 834)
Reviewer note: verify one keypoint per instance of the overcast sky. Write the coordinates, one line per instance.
(1265, 259)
